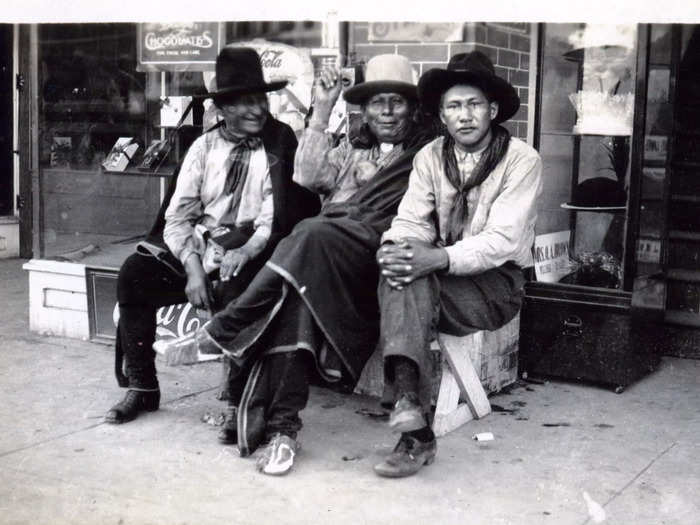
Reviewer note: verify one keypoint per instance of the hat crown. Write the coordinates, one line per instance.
(389, 68)
(474, 62)
(238, 67)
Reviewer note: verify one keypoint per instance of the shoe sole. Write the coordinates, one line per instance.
(395, 474)
(121, 420)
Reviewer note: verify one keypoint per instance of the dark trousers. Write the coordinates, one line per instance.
(279, 390)
(145, 284)
(457, 305)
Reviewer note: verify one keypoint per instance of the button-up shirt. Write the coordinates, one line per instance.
(502, 210)
(199, 196)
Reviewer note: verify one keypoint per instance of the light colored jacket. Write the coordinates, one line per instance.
(503, 209)
(199, 196)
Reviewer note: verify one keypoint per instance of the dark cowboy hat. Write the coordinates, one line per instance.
(238, 71)
(384, 74)
(474, 69)
(597, 194)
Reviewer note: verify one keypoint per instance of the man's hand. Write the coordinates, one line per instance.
(326, 92)
(409, 259)
(233, 262)
(198, 288)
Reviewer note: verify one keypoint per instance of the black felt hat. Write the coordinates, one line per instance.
(238, 71)
(474, 69)
(598, 194)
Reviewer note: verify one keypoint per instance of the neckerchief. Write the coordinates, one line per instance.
(491, 156)
(240, 161)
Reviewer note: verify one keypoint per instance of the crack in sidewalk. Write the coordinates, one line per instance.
(635, 478)
(94, 425)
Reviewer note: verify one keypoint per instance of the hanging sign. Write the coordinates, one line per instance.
(416, 32)
(178, 46)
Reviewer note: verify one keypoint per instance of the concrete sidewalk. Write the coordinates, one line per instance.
(636, 454)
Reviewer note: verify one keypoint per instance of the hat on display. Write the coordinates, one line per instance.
(474, 69)
(238, 71)
(597, 194)
(384, 74)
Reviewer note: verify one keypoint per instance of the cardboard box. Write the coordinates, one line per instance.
(121, 154)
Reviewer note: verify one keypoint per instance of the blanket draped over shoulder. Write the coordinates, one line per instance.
(330, 261)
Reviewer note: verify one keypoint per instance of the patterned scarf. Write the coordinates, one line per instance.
(492, 155)
(238, 172)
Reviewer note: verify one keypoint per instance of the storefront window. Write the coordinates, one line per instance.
(100, 109)
(91, 96)
(585, 130)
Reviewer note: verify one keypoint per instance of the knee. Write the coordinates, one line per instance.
(311, 229)
(130, 279)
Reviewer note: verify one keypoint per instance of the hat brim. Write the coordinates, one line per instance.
(242, 90)
(435, 82)
(359, 93)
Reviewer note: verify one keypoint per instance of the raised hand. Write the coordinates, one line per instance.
(327, 89)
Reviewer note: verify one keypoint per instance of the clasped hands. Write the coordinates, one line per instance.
(409, 259)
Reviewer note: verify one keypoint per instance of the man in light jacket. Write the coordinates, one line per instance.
(452, 259)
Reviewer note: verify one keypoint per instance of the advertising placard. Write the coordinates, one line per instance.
(179, 46)
(551, 255)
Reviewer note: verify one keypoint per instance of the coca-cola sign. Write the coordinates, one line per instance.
(177, 320)
(185, 46)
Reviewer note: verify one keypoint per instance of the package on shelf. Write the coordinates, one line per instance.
(121, 154)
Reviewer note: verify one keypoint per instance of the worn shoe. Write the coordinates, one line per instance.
(134, 402)
(186, 349)
(407, 458)
(278, 456)
(228, 435)
(407, 414)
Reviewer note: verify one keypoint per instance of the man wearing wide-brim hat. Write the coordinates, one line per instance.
(314, 306)
(233, 200)
(452, 260)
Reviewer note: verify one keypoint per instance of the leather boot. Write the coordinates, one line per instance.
(134, 402)
(409, 456)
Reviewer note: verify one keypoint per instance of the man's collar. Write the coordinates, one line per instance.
(464, 155)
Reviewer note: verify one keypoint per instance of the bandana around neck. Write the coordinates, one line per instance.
(490, 157)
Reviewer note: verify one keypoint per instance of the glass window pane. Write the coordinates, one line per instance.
(588, 73)
(90, 97)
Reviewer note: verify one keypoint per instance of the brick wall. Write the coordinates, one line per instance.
(507, 45)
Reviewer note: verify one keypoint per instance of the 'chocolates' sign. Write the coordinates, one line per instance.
(186, 46)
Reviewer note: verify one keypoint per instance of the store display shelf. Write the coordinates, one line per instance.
(684, 235)
(86, 106)
(586, 134)
(596, 209)
(680, 274)
(687, 164)
(682, 318)
(685, 198)
(168, 171)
